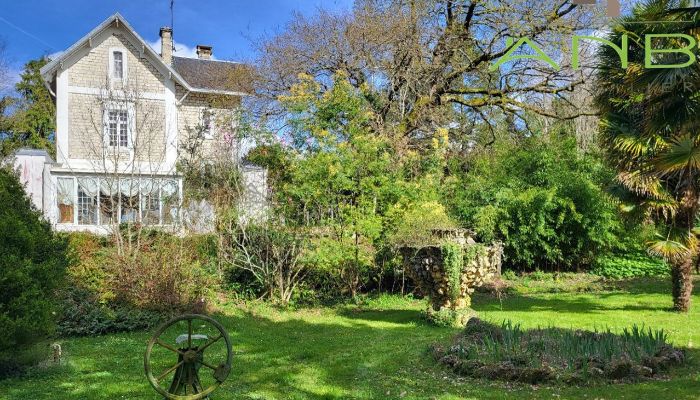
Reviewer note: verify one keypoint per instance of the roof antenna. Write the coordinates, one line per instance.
(172, 23)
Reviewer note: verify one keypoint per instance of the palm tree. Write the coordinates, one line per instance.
(651, 131)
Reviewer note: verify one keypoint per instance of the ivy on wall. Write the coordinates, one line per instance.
(453, 262)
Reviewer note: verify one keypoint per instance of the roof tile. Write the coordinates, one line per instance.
(214, 75)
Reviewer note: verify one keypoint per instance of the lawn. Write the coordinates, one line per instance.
(373, 351)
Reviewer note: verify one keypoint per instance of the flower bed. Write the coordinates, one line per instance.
(511, 353)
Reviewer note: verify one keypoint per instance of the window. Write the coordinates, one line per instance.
(109, 204)
(111, 200)
(65, 194)
(129, 190)
(117, 65)
(150, 201)
(87, 201)
(118, 128)
(171, 201)
(207, 130)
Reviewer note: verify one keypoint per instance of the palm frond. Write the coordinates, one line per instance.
(676, 244)
(682, 154)
(644, 184)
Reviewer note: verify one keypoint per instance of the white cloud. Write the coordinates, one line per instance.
(181, 50)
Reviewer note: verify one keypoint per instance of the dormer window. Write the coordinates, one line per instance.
(117, 64)
(118, 70)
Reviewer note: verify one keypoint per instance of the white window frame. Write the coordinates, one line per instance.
(143, 204)
(130, 121)
(125, 68)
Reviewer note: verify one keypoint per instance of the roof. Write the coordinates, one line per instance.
(34, 153)
(31, 152)
(48, 71)
(213, 74)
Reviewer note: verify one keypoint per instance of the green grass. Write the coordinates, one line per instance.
(373, 351)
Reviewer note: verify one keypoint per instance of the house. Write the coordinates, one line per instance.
(126, 116)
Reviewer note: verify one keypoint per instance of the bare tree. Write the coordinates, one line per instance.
(425, 64)
(5, 83)
(122, 136)
(270, 252)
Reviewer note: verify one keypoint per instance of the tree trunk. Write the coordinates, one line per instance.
(682, 281)
(682, 269)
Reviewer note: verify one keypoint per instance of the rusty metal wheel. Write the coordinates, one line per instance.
(195, 376)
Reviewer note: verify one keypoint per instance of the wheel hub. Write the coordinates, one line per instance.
(190, 356)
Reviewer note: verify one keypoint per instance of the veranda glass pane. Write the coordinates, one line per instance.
(87, 201)
(129, 200)
(150, 206)
(65, 198)
(170, 195)
(109, 201)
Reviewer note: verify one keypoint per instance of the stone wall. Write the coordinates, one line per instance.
(92, 71)
(90, 86)
(223, 135)
(425, 265)
(87, 140)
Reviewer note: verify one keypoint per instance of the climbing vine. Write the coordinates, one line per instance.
(453, 261)
(472, 251)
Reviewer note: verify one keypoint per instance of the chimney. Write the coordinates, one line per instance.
(203, 52)
(166, 44)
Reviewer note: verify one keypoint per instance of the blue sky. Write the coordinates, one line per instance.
(32, 28)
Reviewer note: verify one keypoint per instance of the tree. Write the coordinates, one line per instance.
(4, 68)
(423, 64)
(5, 100)
(340, 175)
(32, 264)
(33, 120)
(650, 131)
(542, 198)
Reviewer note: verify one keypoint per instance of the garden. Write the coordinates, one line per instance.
(434, 229)
(379, 349)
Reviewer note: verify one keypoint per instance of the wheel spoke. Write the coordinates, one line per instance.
(206, 364)
(167, 346)
(189, 333)
(169, 370)
(209, 343)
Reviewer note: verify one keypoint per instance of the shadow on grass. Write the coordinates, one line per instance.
(579, 304)
(402, 317)
(613, 298)
(647, 285)
(364, 354)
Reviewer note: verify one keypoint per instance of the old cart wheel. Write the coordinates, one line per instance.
(190, 361)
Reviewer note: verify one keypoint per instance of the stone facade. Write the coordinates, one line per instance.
(223, 122)
(92, 70)
(91, 89)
